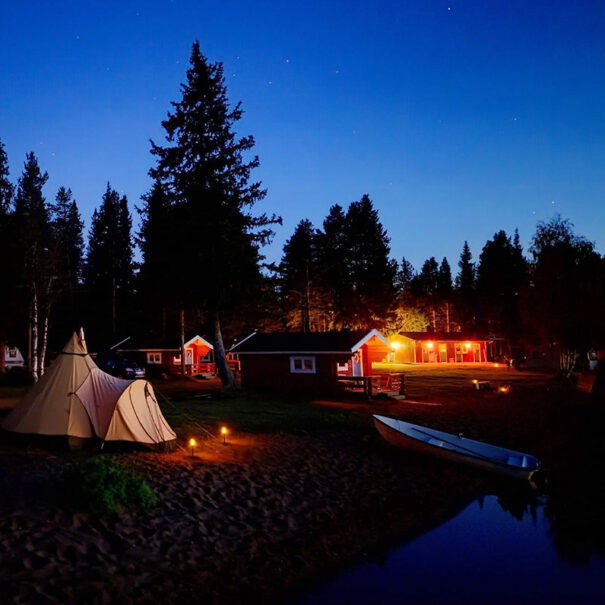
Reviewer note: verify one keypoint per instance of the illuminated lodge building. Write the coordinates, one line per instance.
(437, 347)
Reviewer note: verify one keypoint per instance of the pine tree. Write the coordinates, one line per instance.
(501, 273)
(204, 171)
(465, 288)
(405, 275)
(33, 236)
(109, 269)
(7, 269)
(67, 227)
(333, 251)
(371, 272)
(444, 290)
(424, 288)
(6, 187)
(157, 238)
(298, 270)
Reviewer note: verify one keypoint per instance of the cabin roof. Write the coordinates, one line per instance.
(160, 344)
(344, 341)
(444, 336)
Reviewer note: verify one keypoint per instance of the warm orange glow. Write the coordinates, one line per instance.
(468, 345)
(504, 389)
(496, 365)
(224, 430)
(395, 345)
(192, 442)
(475, 381)
(429, 345)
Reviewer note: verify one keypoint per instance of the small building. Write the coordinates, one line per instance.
(164, 355)
(437, 347)
(309, 362)
(13, 358)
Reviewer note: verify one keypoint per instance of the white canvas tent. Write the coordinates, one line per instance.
(76, 399)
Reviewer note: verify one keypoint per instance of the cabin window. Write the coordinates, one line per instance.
(176, 359)
(302, 365)
(342, 367)
(154, 358)
(12, 353)
(206, 358)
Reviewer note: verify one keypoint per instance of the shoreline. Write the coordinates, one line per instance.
(302, 493)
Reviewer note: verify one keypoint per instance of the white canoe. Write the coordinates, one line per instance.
(456, 448)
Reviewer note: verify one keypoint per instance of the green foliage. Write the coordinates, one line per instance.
(102, 486)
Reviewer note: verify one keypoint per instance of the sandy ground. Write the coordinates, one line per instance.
(272, 513)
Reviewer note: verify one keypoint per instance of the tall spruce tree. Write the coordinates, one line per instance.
(7, 269)
(204, 171)
(425, 287)
(67, 227)
(298, 270)
(370, 271)
(332, 251)
(445, 290)
(157, 239)
(501, 274)
(32, 234)
(465, 288)
(109, 269)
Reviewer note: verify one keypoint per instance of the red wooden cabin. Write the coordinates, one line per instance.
(309, 362)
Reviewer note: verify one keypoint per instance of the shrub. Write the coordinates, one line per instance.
(16, 377)
(103, 486)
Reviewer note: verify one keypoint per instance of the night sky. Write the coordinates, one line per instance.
(458, 118)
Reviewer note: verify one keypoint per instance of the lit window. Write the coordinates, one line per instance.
(154, 358)
(302, 365)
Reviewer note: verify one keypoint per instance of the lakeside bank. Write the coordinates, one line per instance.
(301, 491)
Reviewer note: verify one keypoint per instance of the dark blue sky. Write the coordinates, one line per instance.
(458, 118)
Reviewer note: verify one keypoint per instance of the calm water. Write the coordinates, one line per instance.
(485, 554)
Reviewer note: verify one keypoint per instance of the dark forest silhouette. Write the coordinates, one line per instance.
(202, 266)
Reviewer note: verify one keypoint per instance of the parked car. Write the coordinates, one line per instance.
(119, 366)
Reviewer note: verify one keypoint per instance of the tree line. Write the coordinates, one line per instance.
(200, 263)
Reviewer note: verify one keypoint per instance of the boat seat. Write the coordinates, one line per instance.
(516, 461)
(437, 442)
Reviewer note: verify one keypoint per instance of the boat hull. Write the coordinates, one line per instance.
(399, 439)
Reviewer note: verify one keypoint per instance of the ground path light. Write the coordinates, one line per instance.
(224, 433)
(192, 444)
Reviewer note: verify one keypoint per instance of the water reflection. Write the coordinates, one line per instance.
(505, 547)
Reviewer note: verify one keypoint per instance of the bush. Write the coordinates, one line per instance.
(16, 377)
(104, 486)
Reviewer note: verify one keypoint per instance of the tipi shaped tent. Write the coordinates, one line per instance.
(76, 399)
(51, 406)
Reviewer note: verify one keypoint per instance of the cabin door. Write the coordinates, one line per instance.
(356, 361)
(443, 353)
(477, 352)
(188, 357)
(458, 353)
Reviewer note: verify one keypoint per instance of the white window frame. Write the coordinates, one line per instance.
(302, 359)
(154, 358)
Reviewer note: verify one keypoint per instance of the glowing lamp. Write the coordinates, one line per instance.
(503, 389)
(496, 365)
(475, 381)
(224, 433)
(468, 345)
(429, 345)
(192, 444)
(395, 345)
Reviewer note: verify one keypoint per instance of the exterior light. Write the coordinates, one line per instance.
(475, 381)
(192, 444)
(503, 389)
(496, 365)
(395, 345)
(224, 433)
(468, 345)
(429, 345)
